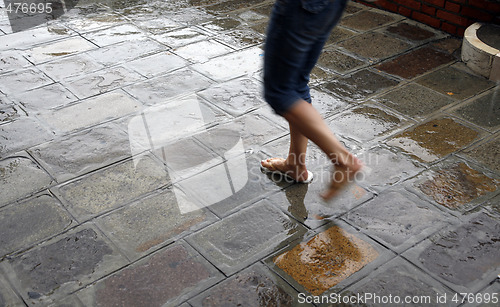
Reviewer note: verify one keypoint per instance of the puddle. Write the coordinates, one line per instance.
(251, 287)
(467, 254)
(434, 139)
(457, 185)
(326, 259)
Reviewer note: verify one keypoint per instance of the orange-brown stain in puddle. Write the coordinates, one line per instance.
(326, 259)
(457, 185)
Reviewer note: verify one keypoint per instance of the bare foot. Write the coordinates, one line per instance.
(343, 175)
(298, 173)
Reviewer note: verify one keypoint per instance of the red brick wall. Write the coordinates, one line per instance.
(452, 16)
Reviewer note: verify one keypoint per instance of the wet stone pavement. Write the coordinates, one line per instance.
(130, 139)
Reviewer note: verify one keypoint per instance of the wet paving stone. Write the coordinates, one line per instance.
(91, 18)
(8, 296)
(486, 152)
(101, 81)
(456, 185)
(386, 167)
(327, 105)
(416, 62)
(125, 51)
(113, 187)
(434, 139)
(371, 123)
(164, 279)
(391, 217)
(236, 97)
(21, 134)
(83, 152)
(24, 224)
(483, 111)
(304, 203)
(32, 37)
(91, 111)
(117, 34)
(239, 39)
(455, 83)
(21, 177)
(398, 278)
(367, 20)
(11, 60)
(359, 85)
(222, 24)
(415, 101)
(45, 98)
(463, 257)
(62, 265)
(374, 46)
(450, 45)
(153, 222)
(242, 238)
(338, 61)
(211, 48)
(339, 34)
(157, 26)
(231, 185)
(20, 81)
(325, 260)
(9, 113)
(233, 65)
(255, 286)
(181, 37)
(71, 66)
(157, 64)
(163, 88)
(231, 5)
(51, 51)
(412, 32)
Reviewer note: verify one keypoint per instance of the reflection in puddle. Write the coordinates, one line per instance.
(162, 128)
(326, 259)
(457, 185)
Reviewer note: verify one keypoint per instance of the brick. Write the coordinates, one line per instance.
(429, 10)
(453, 7)
(388, 5)
(404, 11)
(460, 31)
(412, 4)
(439, 3)
(482, 4)
(449, 28)
(429, 20)
(453, 18)
(476, 14)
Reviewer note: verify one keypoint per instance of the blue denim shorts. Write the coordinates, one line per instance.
(296, 34)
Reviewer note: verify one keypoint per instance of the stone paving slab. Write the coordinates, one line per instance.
(62, 265)
(86, 152)
(20, 177)
(242, 238)
(153, 222)
(399, 276)
(112, 187)
(27, 223)
(44, 98)
(455, 184)
(374, 46)
(20, 134)
(166, 277)
(485, 152)
(255, 286)
(61, 48)
(435, 139)
(415, 101)
(333, 245)
(474, 244)
(7, 295)
(391, 218)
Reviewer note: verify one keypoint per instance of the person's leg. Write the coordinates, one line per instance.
(305, 119)
(294, 166)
